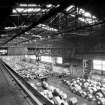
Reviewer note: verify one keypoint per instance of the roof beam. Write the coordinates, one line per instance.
(52, 12)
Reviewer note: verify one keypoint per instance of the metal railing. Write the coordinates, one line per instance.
(32, 93)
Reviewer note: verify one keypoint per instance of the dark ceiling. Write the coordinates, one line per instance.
(96, 7)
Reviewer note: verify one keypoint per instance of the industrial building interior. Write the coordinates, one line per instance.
(52, 52)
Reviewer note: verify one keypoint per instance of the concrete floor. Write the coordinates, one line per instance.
(10, 94)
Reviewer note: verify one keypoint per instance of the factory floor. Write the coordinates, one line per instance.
(58, 83)
(10, 93)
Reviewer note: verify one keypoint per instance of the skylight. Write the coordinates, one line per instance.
(87, 20)
(49, 5)
(25, 10)
(29, 8)
(28, 5)
(69, 8)
(85, 16)
(47, 27)
(10, 28)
